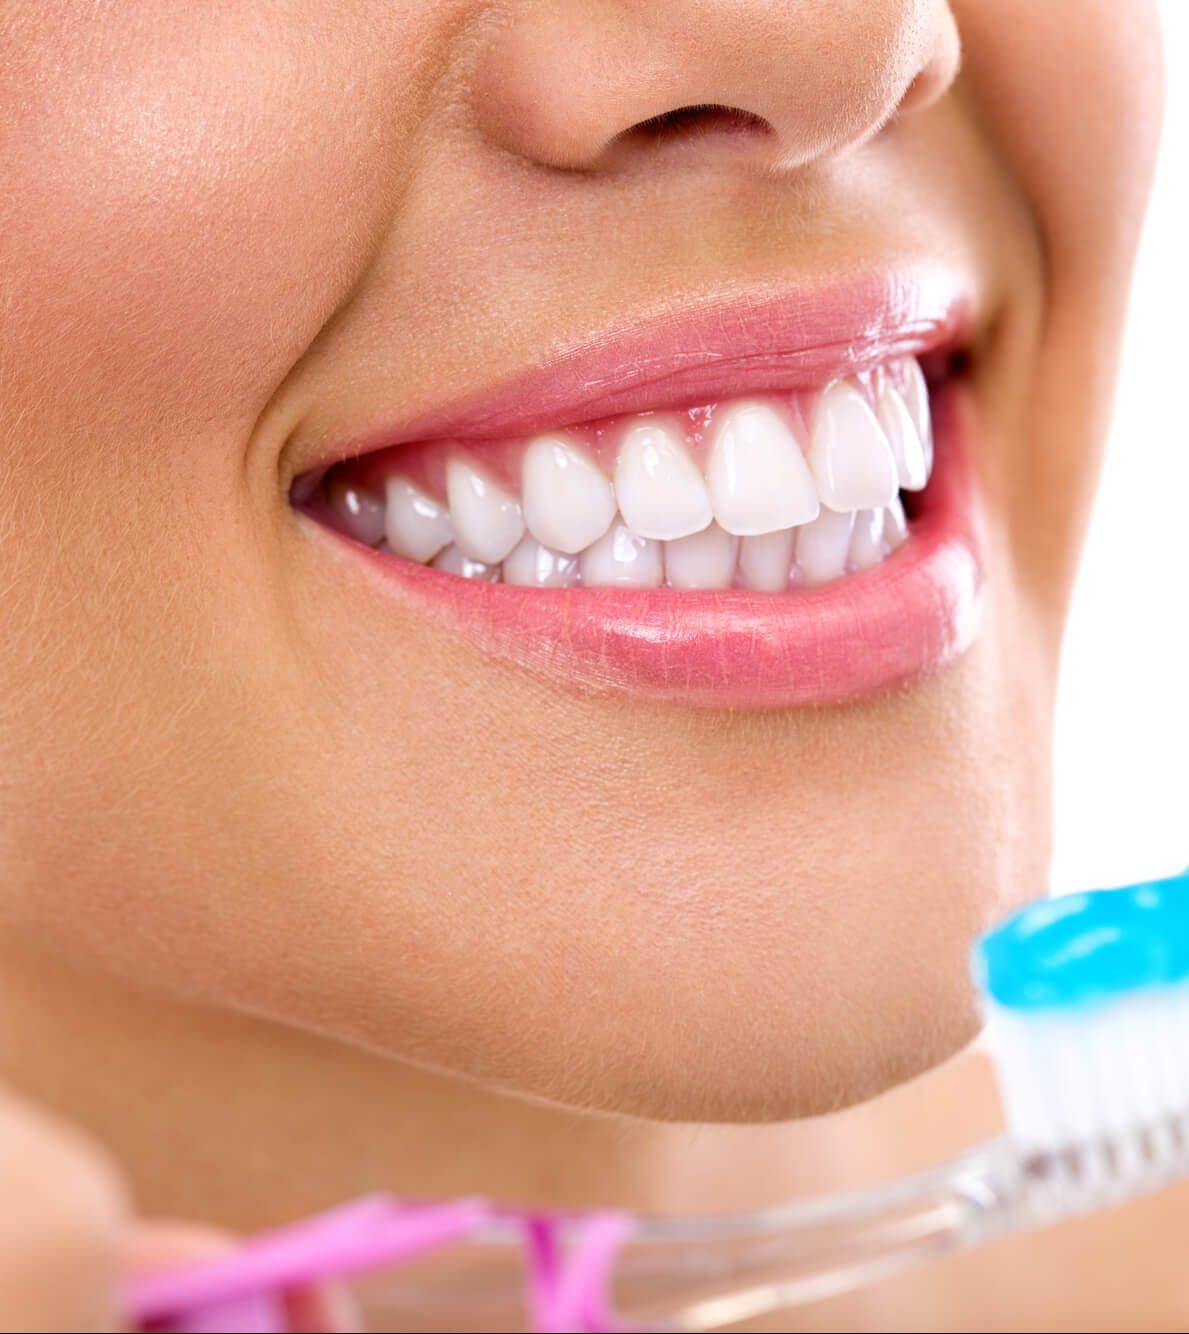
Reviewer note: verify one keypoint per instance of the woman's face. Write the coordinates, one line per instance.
(712, 853)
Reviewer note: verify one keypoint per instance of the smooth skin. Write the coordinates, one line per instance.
(300, 896)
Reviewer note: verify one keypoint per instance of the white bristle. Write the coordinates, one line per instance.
(1106, 1087)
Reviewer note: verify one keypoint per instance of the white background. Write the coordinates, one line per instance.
(1123, 715)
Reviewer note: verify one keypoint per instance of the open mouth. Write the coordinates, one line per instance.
(765, 546)
(772, 493)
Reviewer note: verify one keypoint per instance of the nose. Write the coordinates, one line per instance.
(580, 83)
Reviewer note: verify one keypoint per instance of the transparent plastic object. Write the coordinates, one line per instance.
(706, 1273)
(709, 1272)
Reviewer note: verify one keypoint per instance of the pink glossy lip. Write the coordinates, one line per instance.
(867, 632)
(759, 342)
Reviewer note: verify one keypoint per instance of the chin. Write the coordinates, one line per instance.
(784, 951)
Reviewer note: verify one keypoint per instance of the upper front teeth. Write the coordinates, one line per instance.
(757, 474)
(568, 502)
(659, 488)
(849, 454)
(802, 488)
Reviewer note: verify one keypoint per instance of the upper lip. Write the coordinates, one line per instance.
(758, 341)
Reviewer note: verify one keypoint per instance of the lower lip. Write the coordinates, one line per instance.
(898, 623)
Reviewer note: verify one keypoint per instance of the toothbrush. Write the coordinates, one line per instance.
(1087, 1006)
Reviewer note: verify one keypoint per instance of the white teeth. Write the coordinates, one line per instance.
(767, 516)
(620, 557)
(487, 520)
(849, 454)
(534, 566)
(455, 561)
(360, 510)
(660, 492)
(416, 526)
(822, 547)
(766, 560)
(866, 544)
(895, 527)
(756, 474)
(568, 503)
(916, 399)
(702, 560)
(912, 467)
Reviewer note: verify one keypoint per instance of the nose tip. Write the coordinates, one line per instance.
(579, 85)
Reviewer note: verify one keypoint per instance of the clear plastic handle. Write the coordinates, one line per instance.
(704, 1275)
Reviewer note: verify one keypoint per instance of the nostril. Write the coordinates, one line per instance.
(702, 119)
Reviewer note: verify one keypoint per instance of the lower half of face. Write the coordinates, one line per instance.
(656, 747)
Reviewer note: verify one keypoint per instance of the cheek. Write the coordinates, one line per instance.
(185, 210)
(1069, 95)
(1071, 91)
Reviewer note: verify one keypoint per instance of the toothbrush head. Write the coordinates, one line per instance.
(1087, 1005)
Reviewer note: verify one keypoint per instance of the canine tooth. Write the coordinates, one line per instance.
(702, 560)
(568, 503)
(756, 473)
(916, 400)
(895, 526)
(767, 559)
(416, 526)
(621, 557)
(661, 493)
(534, 566)
(822, 546)
(487, 520)
(455, 561)
(361, 510)
(866, 544)
(849, 455)
(901, 432)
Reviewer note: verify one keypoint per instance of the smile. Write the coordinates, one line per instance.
(806, 535)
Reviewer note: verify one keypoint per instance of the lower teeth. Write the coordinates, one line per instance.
(830, 547)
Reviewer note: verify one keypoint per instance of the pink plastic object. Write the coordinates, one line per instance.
(567, 1289)
(263, 1314)
(368, 1234)
(572, 1292)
